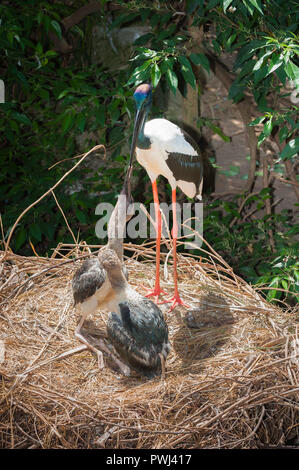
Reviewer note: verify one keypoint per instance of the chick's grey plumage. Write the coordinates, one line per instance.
(88, 278)
(139, 334)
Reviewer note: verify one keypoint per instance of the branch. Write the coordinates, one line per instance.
(61, 45)
(97, 147)
(80, 14)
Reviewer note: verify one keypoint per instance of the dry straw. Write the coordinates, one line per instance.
(231, 379)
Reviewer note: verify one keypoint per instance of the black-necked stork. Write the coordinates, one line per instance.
(91, 285)
(162, 148)
(136, 327)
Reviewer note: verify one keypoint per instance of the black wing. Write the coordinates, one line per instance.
(187, 167)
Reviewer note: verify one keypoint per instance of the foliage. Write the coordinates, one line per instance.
(48, 106)
(262, 35)
(245, 245)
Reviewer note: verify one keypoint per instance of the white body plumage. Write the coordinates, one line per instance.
(166, 138)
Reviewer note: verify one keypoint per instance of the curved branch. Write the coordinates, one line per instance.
(61, 45)
(80, 14)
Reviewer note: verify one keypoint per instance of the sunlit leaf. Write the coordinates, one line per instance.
(291, 149)
(172, 80)
(200, 59)
(155, 75)
(187, 72)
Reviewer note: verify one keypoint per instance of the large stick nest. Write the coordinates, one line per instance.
(231, 379)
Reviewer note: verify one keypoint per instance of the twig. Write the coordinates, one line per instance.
(63, 215)
(97, 147)
(241, 207)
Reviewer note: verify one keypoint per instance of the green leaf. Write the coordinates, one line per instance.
(14, 126)
(143, 39)
(140, 73)
(200, 59)
(57, 28)
(226, 4)
(22, 118)
(20, 238)
(256, 5)
(276, 61)
(290, 149)
(67, 123)
(81, 119)
(248, 50)
(261, 60)
(172, 80)
(283, 133)
(218, 131)
(261, 139)
(100, 115)
(233, 171)
(284, 284)
(35, 232)
(155, 75)
(187, 72)
(257, 121)
(81, 216)
(268, 126)
(64, 93)
(292, 71)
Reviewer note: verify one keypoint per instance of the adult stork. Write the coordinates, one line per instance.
(162, 148)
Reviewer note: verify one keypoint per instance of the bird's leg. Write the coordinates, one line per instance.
(158, 226)
(83, 340)
(162, 359)
(176, 300)
(123, 367)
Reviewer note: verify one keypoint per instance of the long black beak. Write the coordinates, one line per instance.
(140, 114)
(126, 189)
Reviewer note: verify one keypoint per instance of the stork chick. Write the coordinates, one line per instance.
(136, 328)
(91, 286)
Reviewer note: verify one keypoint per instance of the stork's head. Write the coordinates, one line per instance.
(143, 101)
(143, 96)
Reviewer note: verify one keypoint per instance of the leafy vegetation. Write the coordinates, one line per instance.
(58, 104)
(245, 245)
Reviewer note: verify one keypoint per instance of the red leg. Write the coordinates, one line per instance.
(158, 225)
(176, 300)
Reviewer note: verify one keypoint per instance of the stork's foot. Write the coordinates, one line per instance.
(101, 364)
(108, 350)
(123, 367)
(176, 300)
(156, 292)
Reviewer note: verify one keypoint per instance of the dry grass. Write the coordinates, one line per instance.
(231, 382)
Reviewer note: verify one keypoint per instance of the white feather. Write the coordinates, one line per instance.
(165, 137)
(168, 136)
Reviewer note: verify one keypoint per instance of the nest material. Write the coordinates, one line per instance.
(231, 379)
